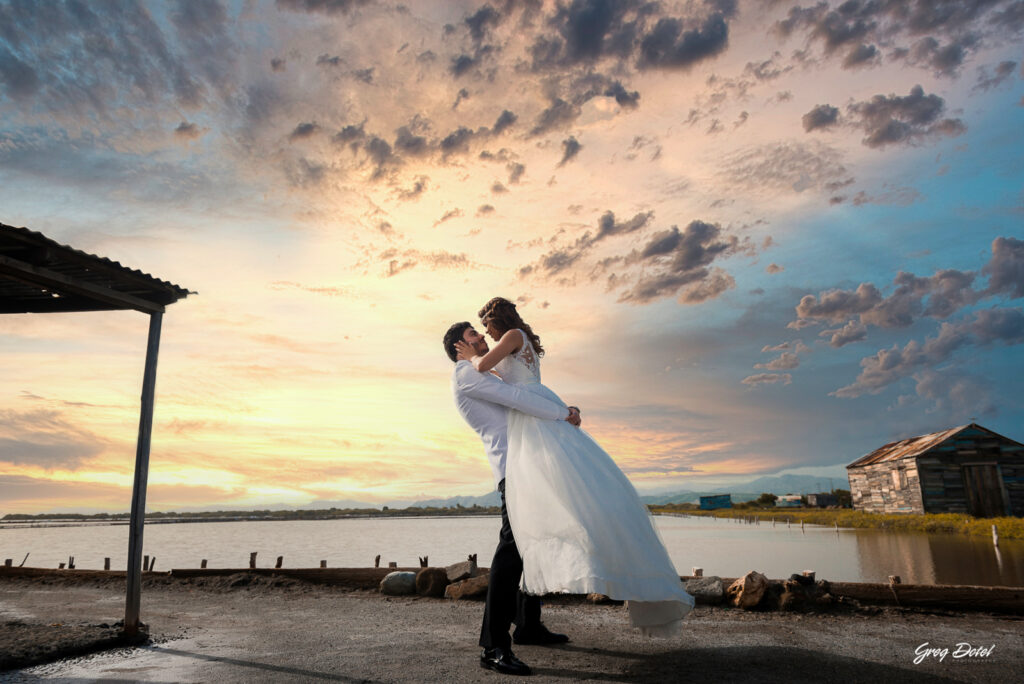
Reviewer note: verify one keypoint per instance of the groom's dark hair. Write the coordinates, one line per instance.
(453, 335)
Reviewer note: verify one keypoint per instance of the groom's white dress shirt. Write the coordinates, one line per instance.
(483, 399)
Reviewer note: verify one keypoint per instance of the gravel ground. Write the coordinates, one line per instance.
(229, 632)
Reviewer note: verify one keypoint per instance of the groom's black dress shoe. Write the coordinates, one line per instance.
(504, 661)
(538, 636)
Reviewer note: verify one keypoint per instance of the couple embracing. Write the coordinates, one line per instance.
(571, 520)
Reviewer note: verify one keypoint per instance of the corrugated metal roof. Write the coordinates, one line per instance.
(38, 253)
(914, 446)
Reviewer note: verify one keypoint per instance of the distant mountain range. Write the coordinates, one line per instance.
(748, 491)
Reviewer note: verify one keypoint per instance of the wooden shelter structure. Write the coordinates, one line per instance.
(966, 469)
(38, 275)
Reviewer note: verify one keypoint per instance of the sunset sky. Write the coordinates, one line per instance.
(754, 237)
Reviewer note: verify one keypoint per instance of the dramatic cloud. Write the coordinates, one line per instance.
(678, 261)
(1005, 270)
(786, 361)
(944, 60)
(448, 216)
(768, 379)
(570, 148)
(188, 131)
(861, 55)
(45, 438)
(938, 296)
(515, 172)
(848, 334)
(671, 45)
(821, 116)
(1001, 72)
(915, 30)
(1003, 326)
(895, 119)
(505, 121)
(404, 260)
(563, 258)
(303, 131)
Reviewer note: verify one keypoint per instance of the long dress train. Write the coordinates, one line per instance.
(578, 522)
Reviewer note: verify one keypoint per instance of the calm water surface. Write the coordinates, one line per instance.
(721, 547)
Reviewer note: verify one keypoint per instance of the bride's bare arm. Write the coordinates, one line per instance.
(508, 344)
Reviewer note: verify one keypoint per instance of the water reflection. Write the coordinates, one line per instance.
(721, 547)
(730, 549)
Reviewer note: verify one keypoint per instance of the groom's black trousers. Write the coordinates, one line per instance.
(505, 603)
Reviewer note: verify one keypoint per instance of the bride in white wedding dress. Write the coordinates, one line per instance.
(577, 520)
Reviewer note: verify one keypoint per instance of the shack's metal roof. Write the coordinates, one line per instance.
(915, 446)
(39, 275)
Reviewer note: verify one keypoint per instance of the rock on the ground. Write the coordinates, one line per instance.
(746, 592)
(431, 582)
(461, 571)
(468, 588)
(709, 590)
(398, 583)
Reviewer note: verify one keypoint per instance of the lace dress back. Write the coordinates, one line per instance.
(521, 368)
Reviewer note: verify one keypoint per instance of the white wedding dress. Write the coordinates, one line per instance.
(577, 520)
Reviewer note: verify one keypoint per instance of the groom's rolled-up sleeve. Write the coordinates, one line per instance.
(488, 388)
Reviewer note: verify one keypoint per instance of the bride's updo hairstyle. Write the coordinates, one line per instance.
(503, 314)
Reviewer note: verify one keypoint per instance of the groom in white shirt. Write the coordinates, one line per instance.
(483, 401)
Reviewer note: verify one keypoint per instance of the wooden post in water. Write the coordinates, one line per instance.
(252, 559)
(152, 563)
(280, 560)
(424, 561)
(392, 564)
(138, 516)
(60, 567)
(995, 536)
(145, 564)
(8, 562)
(23, 560)
(376, 561)
(106, 563)
(323, 564)
(202, 564)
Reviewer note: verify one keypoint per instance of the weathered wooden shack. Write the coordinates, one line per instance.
(966, 469)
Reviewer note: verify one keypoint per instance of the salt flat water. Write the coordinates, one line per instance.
(721, 547)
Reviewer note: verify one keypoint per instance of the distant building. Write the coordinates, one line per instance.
(967, 469)
(822, 500)
(789, 501)
(709, 503)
